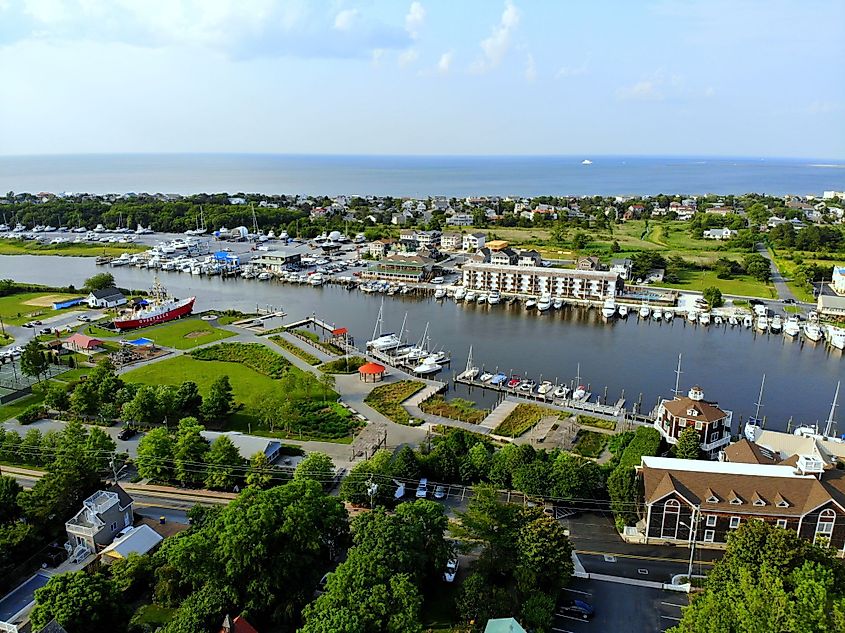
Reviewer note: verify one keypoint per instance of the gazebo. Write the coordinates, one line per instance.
(371, 372)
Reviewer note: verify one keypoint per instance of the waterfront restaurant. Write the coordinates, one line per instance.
(400, 267)
(279, 260)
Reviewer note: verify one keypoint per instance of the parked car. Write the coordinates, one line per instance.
(451, 569)
(126, 432)
(576, 609)
(83, 317)
(422, 489)
(437, 280)
(440, 492)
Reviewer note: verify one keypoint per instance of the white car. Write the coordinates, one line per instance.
(437, 280)
(422, 489)
(440, 492)
(451, 570)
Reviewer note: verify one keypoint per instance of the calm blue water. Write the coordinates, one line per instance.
(417, 175)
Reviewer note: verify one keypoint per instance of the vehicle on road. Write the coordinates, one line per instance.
(422, 489)
(126, 433)
(440, 492)
(451, 570)
(83, 317)
(437, 280)
(576, 609)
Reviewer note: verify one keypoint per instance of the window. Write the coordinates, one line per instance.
(712, 499)
(824, 527)
(759, 502)
(736, 501)
(734, 522)
(709, 535)
(781, 523)
(671, 516)
(783, 503)
(699, 425)
(711, 520)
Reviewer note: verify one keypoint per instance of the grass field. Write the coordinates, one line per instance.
(522, 418)
(387, 399)
(744, 285)
(456, 409)
(31, 247)
(16, 407)
(152, 615)
(20, 308)
(787, 270)
(248, 387)
(183, 334)
(297, 351)
(590, 443)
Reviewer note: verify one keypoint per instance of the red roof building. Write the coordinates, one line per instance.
(80, 343)
(371, 372)
(236, 625)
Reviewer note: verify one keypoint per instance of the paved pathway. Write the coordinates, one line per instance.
(498, 415)
(777, 279)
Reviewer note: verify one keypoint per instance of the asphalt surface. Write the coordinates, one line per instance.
(777, 279)
(621, 608)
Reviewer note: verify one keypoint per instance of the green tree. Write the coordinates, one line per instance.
(713, 296)
(544, 556)
(56, 396)
(80, 602)
(327, 382)
(614, 247)
(132, 574)
(688, 446)
(405, 464)
(480, 600)
(32, 361)
(316, 466)
(9, 489)
(188, 400)
(218, 404)
(189, 452)
(99, 281)
(223, 461)
(101, 447)
(11, 447)
(143, 408)
(84, 399)
(260, 473)
(30, 448)
(155, 455)
(622, 488)
(580, 241)
(537, 611)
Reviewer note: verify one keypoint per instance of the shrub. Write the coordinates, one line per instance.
(388, 399)
(646, 442)
(295, 350)
(457, 409)
(590, 443)
(589, 420)
(32, 413)
(343, 365)
(522, 418)
(256, 356)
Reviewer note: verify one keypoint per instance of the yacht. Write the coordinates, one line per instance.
(5, 228)
(460, 293)
(813, 332)
(265, 276)
(469, 296)
(623, 312)
(692, 316)
(644, 311)
(527, 385)
(123, 260)
(733, 321)
(440, 293)
(668, 315)
(428, 366)
(481, 298)
(485, 377)
(580, 393)
(792, 327)
(499, 379)
(657, 315)
(557, 304)
(530, 304)
(718, 320)
(544, 303)
(747, 321)
(561, 392)
(836, 337)
(470, 373)
(99, 229)
(704, 318)
(776, 324)
(608, 310)
(762, 323)
(494, 298)
(545, 387)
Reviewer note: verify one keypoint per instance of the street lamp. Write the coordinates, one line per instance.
(696, 517)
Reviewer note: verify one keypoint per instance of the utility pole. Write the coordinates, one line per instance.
(696, 516)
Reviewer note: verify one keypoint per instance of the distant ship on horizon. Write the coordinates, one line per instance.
(586, 161)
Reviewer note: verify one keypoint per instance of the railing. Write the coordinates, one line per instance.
(6, 627)
(80, 529)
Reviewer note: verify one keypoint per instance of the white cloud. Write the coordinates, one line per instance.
(495, 47)
(343, 21)
(408, 57)
(530, 68)
(571, 71)
(645, 90)
(414, 19)
(445, 62)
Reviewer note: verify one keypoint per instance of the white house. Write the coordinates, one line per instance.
(106, 298)
(719, 234)
(459, 219)
(473, 241)
(838, 280)
(622, 267)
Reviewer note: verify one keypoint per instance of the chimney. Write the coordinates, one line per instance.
(162, 520)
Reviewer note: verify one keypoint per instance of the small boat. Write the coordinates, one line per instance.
(623, 312)
(704, 318)
(792, 327)
(836, 337)
(733, 321)
(692, 316)
(763, 323)
(265, 276)
(513, 383)
(486, 377)
(469, 374)
(747, 321)
(813, 316)
(608, 310)
(668, 315)
(718, 320)
(813, 332)
(644, 311)
(481, 298)
(498, 379)
(494, 297)
(657, 315)
(579, 393)
(530, 304)
(527, 385)
(561, 392)
(586, 161)
(557, 304)
(469, 296)
(545, 387)
(776, 324)
(460, 293)
(426, 367)
(544, 302)
(440, 293)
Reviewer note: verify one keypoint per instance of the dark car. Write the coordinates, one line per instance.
(126, 432)
(755, 302)
(576, 609)
(789, 301)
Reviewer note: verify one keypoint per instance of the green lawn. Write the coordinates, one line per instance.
(73, 374)
(31, 247)
(248, 387)
(590, 443)
(787, 270)
(184, 333)
(522, 418)
(152, 615)
(16, 407)
(698, 280)
(20, 308)
(294, 349)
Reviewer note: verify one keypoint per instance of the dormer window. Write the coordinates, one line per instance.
(713, 499)
(783, 503)
(692, 412)
(736, 501)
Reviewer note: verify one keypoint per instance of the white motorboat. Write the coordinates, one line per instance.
(644, 311)
(813, 316)
(481, 298)
(544, 302)
(545, 387)
(316, 279)
(427, 367)
(668, 315)
(733, 321)
(747, 321)
(623, 311)
(264, 276)
(557, 304)
(460, 293)
(692, 316)
(494, 297)
(704, 318)
(440, 293)
(718, 320)
(530, 304)
(561, 392)
(776, 325)
(792, 327)
(608, 310)
(836, 337)
(580, 393)
(763, 323)
(469, 296)
(486, 377)
(813, 332)
(657, 315)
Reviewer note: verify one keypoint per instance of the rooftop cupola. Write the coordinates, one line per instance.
(696, 393)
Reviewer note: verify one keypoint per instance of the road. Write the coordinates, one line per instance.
(777, 279)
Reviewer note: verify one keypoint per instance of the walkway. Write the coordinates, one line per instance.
(498, 415)
(777, 279)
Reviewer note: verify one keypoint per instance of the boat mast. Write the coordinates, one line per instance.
(678, 372)
(829, 426)
(578, 375)
(759, 402)
(424, 337)
(402, 329)
(377, 328)
(469, 360)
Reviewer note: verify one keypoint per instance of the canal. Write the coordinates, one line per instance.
(639, 357)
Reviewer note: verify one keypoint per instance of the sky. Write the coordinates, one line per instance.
(664, 77)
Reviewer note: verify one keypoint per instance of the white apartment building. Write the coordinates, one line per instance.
(526, 278)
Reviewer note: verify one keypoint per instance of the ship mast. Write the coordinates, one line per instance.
(678, 372)
(469, 360)
(829, 426)
(759, 402)
(377, 328)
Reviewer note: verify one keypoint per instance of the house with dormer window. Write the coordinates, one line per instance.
(712, 423)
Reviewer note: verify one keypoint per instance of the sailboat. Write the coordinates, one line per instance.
(383, 341)
(471, 371)
(754, 424)
(812, 431)
(201, 228)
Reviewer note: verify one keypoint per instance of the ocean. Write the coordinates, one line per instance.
(420, 176)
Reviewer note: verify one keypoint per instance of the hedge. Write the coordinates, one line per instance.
(646, 442)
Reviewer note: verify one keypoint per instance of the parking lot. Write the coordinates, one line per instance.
(621, 608)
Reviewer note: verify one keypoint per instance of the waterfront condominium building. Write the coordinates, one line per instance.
(513, 273)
